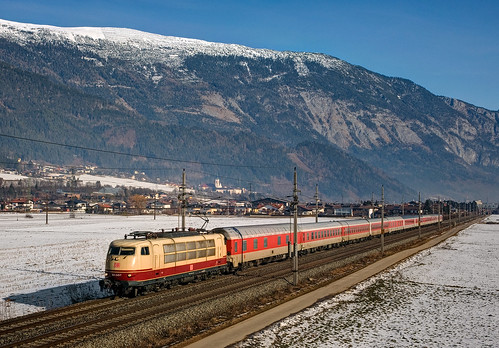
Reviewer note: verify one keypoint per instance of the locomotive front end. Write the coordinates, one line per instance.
(125, 261)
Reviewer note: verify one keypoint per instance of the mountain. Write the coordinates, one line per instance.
(345, 128)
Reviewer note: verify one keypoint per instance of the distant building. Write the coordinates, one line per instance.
(218, 185)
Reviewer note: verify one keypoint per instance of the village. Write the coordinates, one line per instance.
(32, 188)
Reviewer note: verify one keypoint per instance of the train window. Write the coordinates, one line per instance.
(279, 240)
(191, 245)
(201, 253)
(245, 247)
(144, 251)
(255, 244)
(210, 243)
(235, 247)
(180, 246)
(181, 256)
(170, 258)
(191, 255)
(201, 244)
(168, 248)
(127, 251)
(114, 251)
(265, 242)
(210, 252)
(287, 239)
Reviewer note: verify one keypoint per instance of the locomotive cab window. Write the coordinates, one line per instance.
(144, 251)
(127, 251)
(114, 251)
(121, 251)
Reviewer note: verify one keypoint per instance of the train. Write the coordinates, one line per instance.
(145, 261)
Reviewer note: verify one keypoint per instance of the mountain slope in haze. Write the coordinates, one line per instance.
(279, 100)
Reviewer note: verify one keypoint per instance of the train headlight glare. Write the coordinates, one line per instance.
(129, 276)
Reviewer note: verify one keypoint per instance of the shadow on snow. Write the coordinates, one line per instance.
(60, 296)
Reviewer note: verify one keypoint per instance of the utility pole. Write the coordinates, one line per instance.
(295, 230)
(155, 204)
(382, 219)
(403, 223)
(372, 204)
(419, 218)
(403, 205)
(183, 204)
(450, 215)
(316, 203)
(438, 214)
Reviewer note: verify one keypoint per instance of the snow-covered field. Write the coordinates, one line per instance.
(52, 265)
(447, 296)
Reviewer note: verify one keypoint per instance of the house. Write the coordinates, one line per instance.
(268, 210)
(304, 210)
(119, 207)
(20, 204)
(104, 208)
(343, 211)
(76, 205)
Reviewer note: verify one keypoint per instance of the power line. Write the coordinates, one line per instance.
(132, 155)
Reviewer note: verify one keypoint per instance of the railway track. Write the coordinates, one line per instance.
(71, 325)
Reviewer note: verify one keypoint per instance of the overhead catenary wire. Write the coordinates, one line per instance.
(167, 159)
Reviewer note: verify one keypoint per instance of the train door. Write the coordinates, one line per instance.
(156, 253)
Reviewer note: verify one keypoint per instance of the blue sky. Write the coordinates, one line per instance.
(449, 47)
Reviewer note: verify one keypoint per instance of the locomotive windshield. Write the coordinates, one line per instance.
(121, 250)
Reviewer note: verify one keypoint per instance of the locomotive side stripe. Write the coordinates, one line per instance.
(149, 274)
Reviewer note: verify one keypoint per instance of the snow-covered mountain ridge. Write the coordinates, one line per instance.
(151, 47)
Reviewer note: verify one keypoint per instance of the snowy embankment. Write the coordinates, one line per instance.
(444, 296)
(51, 265)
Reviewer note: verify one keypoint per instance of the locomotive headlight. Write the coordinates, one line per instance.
(129, 275)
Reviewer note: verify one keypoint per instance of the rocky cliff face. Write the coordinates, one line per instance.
(286, 99)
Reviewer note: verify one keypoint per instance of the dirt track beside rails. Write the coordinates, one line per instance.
(239, 331)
